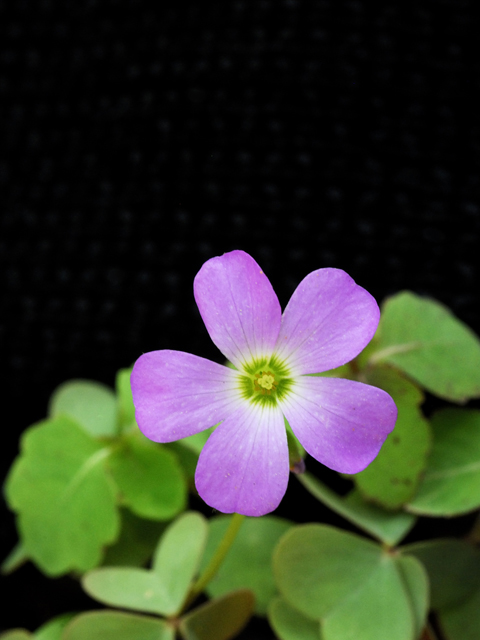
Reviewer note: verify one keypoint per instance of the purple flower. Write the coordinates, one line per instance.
(244, 465)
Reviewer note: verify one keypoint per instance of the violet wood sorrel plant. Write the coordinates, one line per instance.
(244, 465)
(97, 499)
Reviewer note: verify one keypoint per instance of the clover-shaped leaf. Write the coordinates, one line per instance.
(149, 477)
(116, 625)
(354, 587)
(164, 589)
(451, 484)
(422, 338)
(125, 407)
(91, 404)
(255, 540)
(64, 498)
(392, 478)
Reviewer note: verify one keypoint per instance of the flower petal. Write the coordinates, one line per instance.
(239, 307)
(341, 423)
(177, 394)
(243, 467)
(327, 322)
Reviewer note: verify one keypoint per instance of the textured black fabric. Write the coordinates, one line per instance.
(141, 140)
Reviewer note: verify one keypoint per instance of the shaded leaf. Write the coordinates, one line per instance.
(128, 588)
(91, 404)
(451, 485)
(453, 567)
(64, 498)
(462, 622)
(53, 629)
(116, 625)
(290, 624)
(247, 564)
(393, 477)
(424, 339)
(16, 634)
(384, 525)
(149, 477)
(219, 619)
(417, 588)
(177, 558)
(136, 543)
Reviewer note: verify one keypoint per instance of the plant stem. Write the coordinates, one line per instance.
(218, 557)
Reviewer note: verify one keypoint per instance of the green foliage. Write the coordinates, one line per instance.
(125, 408)
(255, 541)
(91, 404)
(164, 589)
(64, 498)
(289, 624)
(451, 485)
(149, 477)
(392, 478)
(453, 567)
(218, 619)
(426, 341)
(115, 625)
(357, 590)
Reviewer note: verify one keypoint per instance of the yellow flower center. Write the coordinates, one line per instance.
(264, 382)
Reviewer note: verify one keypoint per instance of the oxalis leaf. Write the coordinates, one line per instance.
(289, 624)
(163, 589)
(393, 477)
(422, 338)
(451, 484)
(116, 625)
(149, 477)
(125, 408)
(91, 404)
(254, 542)
(355, 588)
(462, 622)
(64, 498)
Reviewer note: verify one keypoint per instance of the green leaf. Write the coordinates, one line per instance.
(64, 498)
(422, 338)
(417, 587)
(453, 567)
(15, 559)
(136, 543)
(451, 484)
(115, 625)
(149, 477)
(380, 609)
(393, 477)
(353, 586)
(16, 634)
(290, 624)
(219, 619)
(91, 404)
(462, 622)
(383, 525)
(128, 588)
(177, 558)
(248, 562)
(53, 629)
(125, 407)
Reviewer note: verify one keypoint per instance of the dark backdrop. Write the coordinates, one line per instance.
(140, 142)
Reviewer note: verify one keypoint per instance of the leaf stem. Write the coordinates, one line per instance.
(217, 559)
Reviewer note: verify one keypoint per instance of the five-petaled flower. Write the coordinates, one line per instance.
(244, 465)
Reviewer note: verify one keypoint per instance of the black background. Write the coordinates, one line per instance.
(139, 142)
